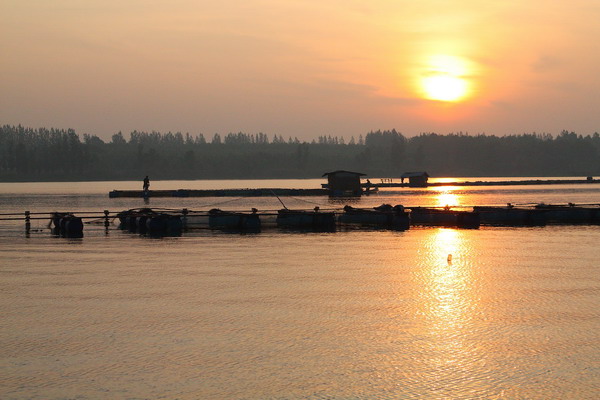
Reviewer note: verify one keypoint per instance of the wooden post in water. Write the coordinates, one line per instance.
(106, 222)
(27, 222)
(184, 219)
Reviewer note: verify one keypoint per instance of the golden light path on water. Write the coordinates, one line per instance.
(447, 303)
(443, 196)
(446, 197)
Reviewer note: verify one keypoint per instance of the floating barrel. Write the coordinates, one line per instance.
(218, 219)
(132, 223)
(250, 222)
(123, 217)
(510, 216)
(156, 224)
(570, 214)
(127, 220)
(73, 226)
(301, 219)
(55, 222)
(444, 217)
(324, 220)
(384, 216)
(595, 215)
(66, 224)
(174, 224)
(401, 218)
(432, 216)
(141, 223)
(162, 224)
(362, 216)
(468, 219)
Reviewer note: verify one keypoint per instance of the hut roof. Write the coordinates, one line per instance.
(343, 172)
(414, 174)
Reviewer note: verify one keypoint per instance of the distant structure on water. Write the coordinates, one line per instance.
(344, 183)
(415, 179)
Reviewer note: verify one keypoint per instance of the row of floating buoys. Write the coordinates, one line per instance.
(302, 219)
(569, 214)
(67, 225)
(538, 215)
(384, 216)
(152, 222)
(444, 217)
(510, 216)
(147, 221)
(227, 220)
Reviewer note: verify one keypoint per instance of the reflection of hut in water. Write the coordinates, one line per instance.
(344, 183)
(415, 179)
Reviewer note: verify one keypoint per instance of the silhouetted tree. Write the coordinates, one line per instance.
(56, 154)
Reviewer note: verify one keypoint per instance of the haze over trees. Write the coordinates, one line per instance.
(42, 154)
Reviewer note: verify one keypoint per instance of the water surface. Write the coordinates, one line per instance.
(355, 314)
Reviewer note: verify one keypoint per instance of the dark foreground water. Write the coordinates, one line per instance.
(357, 314)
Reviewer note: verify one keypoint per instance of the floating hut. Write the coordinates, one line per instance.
(415, 179)
(344, 183)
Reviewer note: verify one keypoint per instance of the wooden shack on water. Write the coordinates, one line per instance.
(344, 183)
(415, 179)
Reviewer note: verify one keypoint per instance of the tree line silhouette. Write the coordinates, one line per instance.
(42, 154)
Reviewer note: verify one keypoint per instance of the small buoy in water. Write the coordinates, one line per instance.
(449, 258)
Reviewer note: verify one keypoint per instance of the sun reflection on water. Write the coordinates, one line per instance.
(447, 302)
(445, 280)
(446, 196)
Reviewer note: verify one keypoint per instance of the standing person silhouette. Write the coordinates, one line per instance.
(146, 183)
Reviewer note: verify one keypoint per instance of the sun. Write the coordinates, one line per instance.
(444, 87)
(444, 78)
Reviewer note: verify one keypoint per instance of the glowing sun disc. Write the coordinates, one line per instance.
(444, 87)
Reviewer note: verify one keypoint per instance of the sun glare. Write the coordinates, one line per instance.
(446, 197)
(444, 79)
(444, 87)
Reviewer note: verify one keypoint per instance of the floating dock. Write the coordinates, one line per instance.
(324, 191)
(218, 193)
(174, 221)
(492, 183)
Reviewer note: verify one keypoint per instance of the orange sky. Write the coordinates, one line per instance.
(300, 68)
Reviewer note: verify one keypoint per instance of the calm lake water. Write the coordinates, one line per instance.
(355, 314)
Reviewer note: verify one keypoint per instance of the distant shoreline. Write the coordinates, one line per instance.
(50, 155)
(396, 178)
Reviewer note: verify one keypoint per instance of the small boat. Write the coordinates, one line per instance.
(304, 219)
(367, 190)
(444, 217)
(230, 220)
(510, 215)
(382, 216)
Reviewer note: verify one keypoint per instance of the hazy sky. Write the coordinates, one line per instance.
(301, 68)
